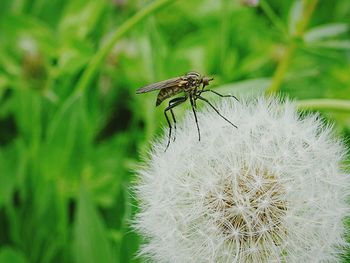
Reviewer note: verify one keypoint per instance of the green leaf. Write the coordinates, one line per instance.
(333, 44)
(80, 18)
(73, 56)
(11, 163)
(90, 237)
(295, 14)
(325, 31)
(28, 114)
(21, 30)
(10, 255)
(68, 140)
(4, 82)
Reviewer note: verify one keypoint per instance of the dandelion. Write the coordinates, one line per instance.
(272, 190)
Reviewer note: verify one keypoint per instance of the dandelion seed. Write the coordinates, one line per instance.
(270, 191)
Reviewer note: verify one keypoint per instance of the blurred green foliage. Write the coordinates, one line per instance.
(67, 158)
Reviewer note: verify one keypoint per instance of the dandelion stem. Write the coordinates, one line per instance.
(324, 104)
(101, 54)
(308, 8)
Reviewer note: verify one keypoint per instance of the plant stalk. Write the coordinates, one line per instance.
(324, 105)
(308, 9)
(276, 21)
(95, 63)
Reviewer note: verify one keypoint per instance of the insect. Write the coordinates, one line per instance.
(189, 86)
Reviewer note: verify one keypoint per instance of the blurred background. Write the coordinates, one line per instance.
(72, 129)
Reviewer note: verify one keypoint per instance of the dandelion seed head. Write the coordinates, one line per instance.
(270, 191)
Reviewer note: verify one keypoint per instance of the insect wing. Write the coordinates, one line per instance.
(174, 82)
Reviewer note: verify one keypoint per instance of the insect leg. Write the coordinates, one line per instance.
(174, 120)
(194, 98)
(169, 124)
(217, 93)
(195, 116)
(173, 103)
(202, 90)
(216, 110)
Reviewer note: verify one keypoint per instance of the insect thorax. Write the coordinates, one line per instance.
(193, 79)
(188, 84)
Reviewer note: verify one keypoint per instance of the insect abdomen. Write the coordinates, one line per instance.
(167, 93)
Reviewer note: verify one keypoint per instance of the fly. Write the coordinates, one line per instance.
(189, 86)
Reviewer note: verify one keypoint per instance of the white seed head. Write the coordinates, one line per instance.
(270, 191)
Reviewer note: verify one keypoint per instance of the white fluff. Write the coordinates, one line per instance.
(270, 191)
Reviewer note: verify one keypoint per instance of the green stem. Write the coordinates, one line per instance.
(272, 16)
(324, 105)
(225, 28)
(309, 7)
(281, 69)
(101, 54)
